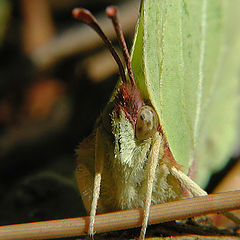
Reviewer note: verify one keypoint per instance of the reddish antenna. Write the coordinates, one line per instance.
(112, 13)
(86, 17)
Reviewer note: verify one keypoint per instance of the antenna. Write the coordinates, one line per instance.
(86, 17)
(112, 13)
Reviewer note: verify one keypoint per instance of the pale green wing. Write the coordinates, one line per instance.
(137, 57)
(185, 60)
(218, 134)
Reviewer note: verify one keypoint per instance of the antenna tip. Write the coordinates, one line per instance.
(76, 12)
(111, 11)
(82, 15)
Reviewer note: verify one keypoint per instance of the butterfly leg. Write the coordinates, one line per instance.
(186, 181)
(152, 164)
(198, 191)
(99, 162)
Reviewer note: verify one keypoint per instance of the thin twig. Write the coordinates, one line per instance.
(38, 27)
(123, 219)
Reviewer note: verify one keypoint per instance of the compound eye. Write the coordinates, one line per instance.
(147, 123)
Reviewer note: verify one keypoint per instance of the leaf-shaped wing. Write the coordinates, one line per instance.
(185, 60)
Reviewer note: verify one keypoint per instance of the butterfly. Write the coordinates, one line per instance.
(126, 162)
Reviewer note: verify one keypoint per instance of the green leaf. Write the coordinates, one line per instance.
(185, 60)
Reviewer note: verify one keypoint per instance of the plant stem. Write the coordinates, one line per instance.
(123, 219)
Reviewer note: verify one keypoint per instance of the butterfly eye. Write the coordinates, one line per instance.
(147, 123)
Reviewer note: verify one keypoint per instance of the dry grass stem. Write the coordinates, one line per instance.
(123, 219)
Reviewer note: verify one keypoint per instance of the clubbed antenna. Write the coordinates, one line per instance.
(112, 13)
(86, 17)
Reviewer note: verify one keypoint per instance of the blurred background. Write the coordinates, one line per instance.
(55, 79)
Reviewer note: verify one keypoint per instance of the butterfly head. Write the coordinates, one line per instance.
(143, 118)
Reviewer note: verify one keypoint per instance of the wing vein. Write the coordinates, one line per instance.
(201, 72)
